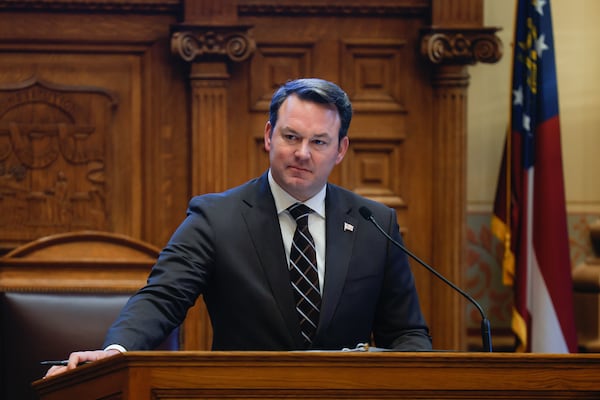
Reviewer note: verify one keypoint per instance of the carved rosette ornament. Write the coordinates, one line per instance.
(461, 46)
(198, 43)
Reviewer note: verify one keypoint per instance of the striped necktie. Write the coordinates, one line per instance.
(303, 273)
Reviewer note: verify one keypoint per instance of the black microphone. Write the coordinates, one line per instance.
(486, 335)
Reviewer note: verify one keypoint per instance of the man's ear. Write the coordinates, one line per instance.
(342, 149)
(268, 134)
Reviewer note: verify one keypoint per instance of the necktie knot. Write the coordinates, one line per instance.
(300, 212)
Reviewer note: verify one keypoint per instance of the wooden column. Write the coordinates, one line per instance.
(209, 49)
(208, 83)
(449, 210)
(455, 40)
(209, 40)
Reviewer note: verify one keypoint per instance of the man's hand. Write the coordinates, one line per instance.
(80, 357)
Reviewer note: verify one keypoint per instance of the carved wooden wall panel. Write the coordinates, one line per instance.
(371, 169)
(57, 146)
(93, 126)
(371, 69)
(46, 130)
(273, 63)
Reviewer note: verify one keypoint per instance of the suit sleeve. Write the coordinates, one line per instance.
(180, 275)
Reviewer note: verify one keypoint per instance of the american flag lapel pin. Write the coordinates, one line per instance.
(348, 227)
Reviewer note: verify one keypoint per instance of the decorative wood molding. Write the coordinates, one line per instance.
(142, 6)
(198, 43)
(461, 46)
(84, 245)
(78, 262)
(371, 74)
(325, 8)
(73, 277)
(272, 65)
(465, 13)
(372, 167)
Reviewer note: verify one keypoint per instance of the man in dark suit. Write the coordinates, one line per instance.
(234, 249)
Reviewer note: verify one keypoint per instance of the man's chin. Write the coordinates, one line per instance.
(296, 177)
(297, 187)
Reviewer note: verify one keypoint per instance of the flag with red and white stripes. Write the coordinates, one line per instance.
(530, 210)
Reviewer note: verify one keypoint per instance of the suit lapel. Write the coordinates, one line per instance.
(339, 242)
(260, 215)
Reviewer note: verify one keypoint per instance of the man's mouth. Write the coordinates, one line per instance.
(298, 169)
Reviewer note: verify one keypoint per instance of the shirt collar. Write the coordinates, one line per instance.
(283, 199)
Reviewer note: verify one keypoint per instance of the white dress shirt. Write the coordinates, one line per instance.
(316, 222)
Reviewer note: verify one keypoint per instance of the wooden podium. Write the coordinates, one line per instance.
(329, 375)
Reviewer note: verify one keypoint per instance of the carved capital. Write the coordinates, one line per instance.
(200, 43)
(461, 46)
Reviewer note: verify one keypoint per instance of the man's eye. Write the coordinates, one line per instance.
(319, 142)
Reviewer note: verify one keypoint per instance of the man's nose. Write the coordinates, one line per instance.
(303, 150)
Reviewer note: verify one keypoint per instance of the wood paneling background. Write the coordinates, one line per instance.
(113, 113)
(93, 123)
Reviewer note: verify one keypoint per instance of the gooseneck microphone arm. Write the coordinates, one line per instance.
(486, 334)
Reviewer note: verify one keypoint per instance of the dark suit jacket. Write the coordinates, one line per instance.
(229, 248)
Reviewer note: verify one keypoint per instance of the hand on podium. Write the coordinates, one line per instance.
(78, 358)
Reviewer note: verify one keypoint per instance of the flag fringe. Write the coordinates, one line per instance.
(519, 328)
(502, 232)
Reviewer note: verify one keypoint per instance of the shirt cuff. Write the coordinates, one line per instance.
(117, 347)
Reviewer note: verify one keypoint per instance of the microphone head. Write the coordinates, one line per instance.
(365, 212)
